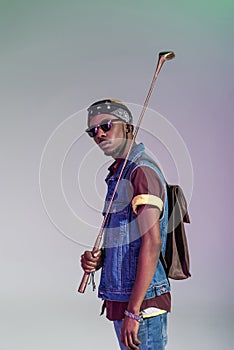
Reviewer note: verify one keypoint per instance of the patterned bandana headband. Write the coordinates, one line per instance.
(112, 107)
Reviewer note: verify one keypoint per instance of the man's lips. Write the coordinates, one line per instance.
(104, 144)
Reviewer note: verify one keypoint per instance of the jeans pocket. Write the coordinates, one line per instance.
(153, 332)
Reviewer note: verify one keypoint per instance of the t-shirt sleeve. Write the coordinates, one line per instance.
(147, 188)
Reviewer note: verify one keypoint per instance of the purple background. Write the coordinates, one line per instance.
(56, 58)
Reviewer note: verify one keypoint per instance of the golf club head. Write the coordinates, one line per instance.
(166, 55)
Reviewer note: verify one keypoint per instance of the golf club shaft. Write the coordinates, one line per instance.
(163, 56)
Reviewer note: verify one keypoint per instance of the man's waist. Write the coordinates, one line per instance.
(150, 307)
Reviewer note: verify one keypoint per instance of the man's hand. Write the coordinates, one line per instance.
(129, 332)
(91, 261)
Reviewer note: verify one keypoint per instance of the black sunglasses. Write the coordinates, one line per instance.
(105, 125)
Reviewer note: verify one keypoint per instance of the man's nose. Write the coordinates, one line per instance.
(100, 132)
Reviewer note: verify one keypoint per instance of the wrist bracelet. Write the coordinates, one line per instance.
(134, 317)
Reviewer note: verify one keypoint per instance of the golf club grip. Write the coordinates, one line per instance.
(84, 282)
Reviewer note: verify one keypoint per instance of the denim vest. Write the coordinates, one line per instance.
(122, 238)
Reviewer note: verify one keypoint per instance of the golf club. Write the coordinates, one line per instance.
(163, 56)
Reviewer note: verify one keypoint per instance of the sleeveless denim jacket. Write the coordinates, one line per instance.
(122, 238)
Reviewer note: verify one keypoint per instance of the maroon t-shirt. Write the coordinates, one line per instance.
(145, 181)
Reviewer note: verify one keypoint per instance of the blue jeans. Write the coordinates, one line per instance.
(152, 333)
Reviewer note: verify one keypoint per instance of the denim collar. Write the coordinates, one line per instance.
(136, 152)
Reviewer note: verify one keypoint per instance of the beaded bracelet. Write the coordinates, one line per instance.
(134, 317)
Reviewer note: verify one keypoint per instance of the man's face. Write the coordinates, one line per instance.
(112, 142)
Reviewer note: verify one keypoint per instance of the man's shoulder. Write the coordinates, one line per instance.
(145, 163)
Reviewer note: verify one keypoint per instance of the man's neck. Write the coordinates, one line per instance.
(126, 150)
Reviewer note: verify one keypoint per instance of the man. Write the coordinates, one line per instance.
(133, 283)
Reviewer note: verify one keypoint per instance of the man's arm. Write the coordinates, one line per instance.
(148, 220)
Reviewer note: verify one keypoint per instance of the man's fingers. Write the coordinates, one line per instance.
(89, 256)
(90, 260)
(97, 253)
(136, 341)
(130, 343)
(87, 265)
(88, 269)
(129, 331)
(92, 256)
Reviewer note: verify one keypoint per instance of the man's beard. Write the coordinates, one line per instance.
(118, 151)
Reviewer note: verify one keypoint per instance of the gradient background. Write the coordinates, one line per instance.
(56, 58)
